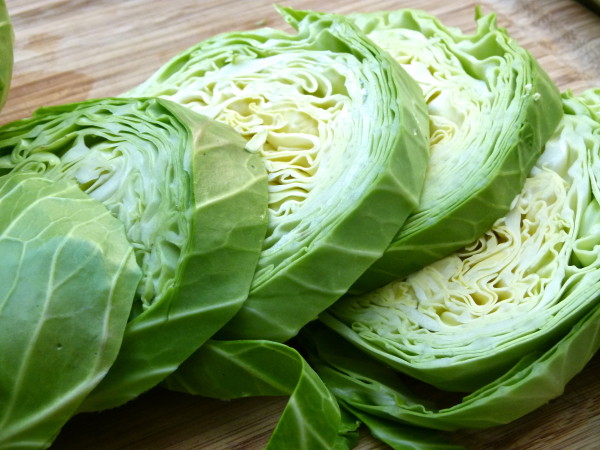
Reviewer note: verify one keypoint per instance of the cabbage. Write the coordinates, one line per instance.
(462, 321)
(237, 369)
(66, 287)
(193, 204)
(394, 410)
(342, 132)
(510, 318)
(6, 52)
(491, 109)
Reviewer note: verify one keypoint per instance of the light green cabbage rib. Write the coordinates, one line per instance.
(461, 321)
(491, 109)
(67, 283)
(192, 202)
(6, 52)
(342, 132)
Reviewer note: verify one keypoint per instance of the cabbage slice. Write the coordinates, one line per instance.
(374, 391)
(67, 283)
(192, 201)
(6, 52)
(462, 321)
(342, 131)
(491, 109)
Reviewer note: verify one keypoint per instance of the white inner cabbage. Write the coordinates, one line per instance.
(459, 105)
(508, 281)
(139, 174)
(294, 110)
(148, 189)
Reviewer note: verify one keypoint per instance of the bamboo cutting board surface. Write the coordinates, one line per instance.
(72, 50)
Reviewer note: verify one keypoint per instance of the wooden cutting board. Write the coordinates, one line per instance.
(74, 50)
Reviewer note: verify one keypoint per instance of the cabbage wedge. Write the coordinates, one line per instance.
(374, 392)
(193, 203)
(67, 284)
(491, 109)
(6, 52)
(463, 321)
(342, 131)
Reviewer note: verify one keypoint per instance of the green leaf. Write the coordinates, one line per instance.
(236, 369)
(66, 288)
(6, 52)
(193, 204)
(462, 321)
(342, 131)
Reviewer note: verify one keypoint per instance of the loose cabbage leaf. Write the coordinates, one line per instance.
(237, 369)
(462, 321)
(342, 131)
(491, 109)
(6, 52)
(193, 204)
(67, 284)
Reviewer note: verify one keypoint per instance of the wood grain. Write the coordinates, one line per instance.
(72, 50)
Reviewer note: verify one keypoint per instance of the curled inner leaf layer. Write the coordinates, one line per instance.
(342, 133)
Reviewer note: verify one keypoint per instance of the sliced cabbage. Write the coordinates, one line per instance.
(383, 400)
(193, 203)
(67, 283)
(6, 52)
(491, 109)
(342, 131)
(462, 321)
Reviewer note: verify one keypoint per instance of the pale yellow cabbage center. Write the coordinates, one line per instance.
(294, 110)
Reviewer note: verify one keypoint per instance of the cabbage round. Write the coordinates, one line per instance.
(6, 52)
(193, 204)
(66, 287)
(342, 131)
(462, 321)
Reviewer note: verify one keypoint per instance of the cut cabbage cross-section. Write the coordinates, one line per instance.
(342, 131)
(491, 109)
(463, 320)
(193, 203)
(6, 52)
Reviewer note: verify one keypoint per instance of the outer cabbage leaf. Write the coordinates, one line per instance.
(462, 321)
(67, 283)
(237, 369)
(6, 52)
(400, 436)
(342, 131)
(491, 109)
(193, 204)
